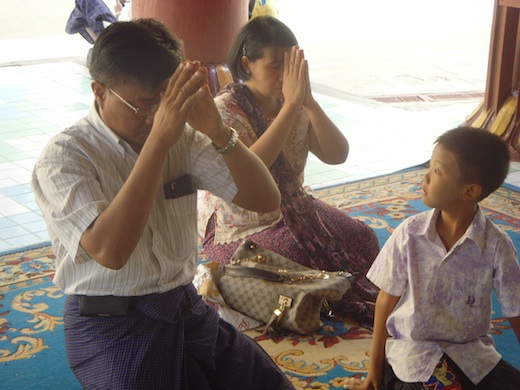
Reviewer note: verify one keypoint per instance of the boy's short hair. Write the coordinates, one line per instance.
(142, 50)
(258, 34)
(482, 156)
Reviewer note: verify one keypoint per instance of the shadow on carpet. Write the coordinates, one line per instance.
(32, 351)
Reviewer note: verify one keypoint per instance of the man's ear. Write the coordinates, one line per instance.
(472, 192)
(100, 92)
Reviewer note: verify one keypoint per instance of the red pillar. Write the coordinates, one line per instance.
(207, 28)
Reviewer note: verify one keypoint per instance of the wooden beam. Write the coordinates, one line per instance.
(509, 3)
(502, 55)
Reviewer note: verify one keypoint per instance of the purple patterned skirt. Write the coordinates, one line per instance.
(361, 242)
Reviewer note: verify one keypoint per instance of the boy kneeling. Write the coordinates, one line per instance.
(437, 273)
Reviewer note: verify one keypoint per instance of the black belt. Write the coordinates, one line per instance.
(105, 306)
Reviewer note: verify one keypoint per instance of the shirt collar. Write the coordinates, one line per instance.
(95, 120)
(429, 229)
(476, 231)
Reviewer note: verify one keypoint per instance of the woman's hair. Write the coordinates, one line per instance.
(483, 157)
(142, 50)
(258, 34)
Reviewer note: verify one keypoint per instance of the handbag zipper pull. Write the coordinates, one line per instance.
(284, 302)
(330, 312)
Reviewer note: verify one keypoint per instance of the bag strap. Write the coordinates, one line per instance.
(254, 273)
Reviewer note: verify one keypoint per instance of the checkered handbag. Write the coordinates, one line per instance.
(278, 291)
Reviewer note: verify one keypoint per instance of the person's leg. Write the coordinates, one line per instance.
(242, 364)
(358, 246)
(357, 237)
(446, 375)
(225, 357)
(392, 382)
(127, 353)
(358, 241)
(504, 376)
(276, 238)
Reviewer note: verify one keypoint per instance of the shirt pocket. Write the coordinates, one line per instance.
(464, 303)
(174, 226)
(182, 206)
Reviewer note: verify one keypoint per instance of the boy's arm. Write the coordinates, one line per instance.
(385, 304)
(515, 324)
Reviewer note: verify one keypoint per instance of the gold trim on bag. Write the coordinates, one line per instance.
(255, 259)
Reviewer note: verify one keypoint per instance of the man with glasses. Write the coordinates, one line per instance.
(118, 193)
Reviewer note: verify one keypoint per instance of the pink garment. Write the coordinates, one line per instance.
(235, 223)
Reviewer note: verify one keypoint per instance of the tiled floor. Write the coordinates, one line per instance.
(37, 101)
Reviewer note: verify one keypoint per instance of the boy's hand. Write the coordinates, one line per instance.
(360, 384)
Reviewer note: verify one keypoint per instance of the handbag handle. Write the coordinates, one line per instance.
(254, 273)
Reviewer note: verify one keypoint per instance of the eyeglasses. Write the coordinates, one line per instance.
(140, 112)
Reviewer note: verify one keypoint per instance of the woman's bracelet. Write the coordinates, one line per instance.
(233, 138)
